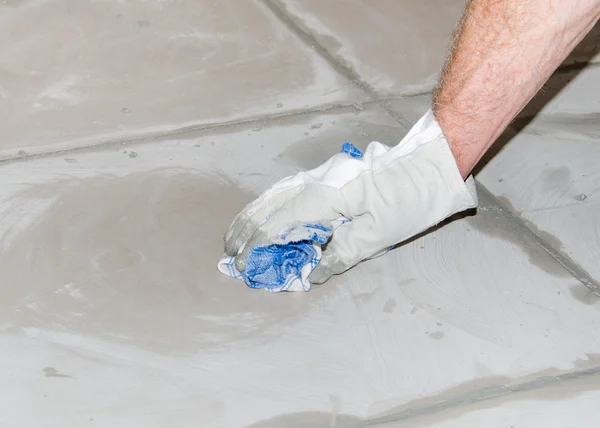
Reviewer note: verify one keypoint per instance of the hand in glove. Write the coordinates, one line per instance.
(389, 195)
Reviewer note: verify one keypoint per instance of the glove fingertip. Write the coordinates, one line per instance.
(240, 263)
(230, 250)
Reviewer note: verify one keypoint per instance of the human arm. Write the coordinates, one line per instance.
(503, 52)
(497, 64)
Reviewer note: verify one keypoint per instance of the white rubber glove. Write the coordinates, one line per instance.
(390, 195)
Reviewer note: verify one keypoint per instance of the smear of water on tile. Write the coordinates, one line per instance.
(389, 306)
(548, 237)
(61, 92)
(437, 335)
(52, 372)
(133, 259)
(364, 297)
(583, 294)
(306, 420)
(492, 222)
(555, 179)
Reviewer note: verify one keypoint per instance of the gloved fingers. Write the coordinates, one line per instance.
(350, 244)
(308, 216)
(250, 218)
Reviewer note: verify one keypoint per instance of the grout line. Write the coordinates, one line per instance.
(305, 36)
(341, 67)
(561, 258)
(188, 131)
(382, 102)
(347, 71)
(309, 39)
(478, 396)
(486, 394)
(562, 207)
(344, 69)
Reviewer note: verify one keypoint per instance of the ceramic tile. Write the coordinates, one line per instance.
(113, 311)
(397, 47)
(549, 171)
(107, 69)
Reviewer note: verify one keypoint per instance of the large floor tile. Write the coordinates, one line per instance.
(112, 310)
(397, 47)
(550, 171)
(576, 231)
(75, 72)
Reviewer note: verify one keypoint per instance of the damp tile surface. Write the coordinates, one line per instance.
(109, 69)
(113, 304)
(549, 172)
(397, 47)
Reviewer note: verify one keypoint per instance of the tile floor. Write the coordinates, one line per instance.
(135, 131)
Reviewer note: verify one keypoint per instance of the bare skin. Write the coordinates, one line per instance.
(503, 52)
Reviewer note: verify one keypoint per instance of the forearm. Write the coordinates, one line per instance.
(503, 53)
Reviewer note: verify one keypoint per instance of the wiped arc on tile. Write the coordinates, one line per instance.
(80, 277)
(348, 361)
(366, 348)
